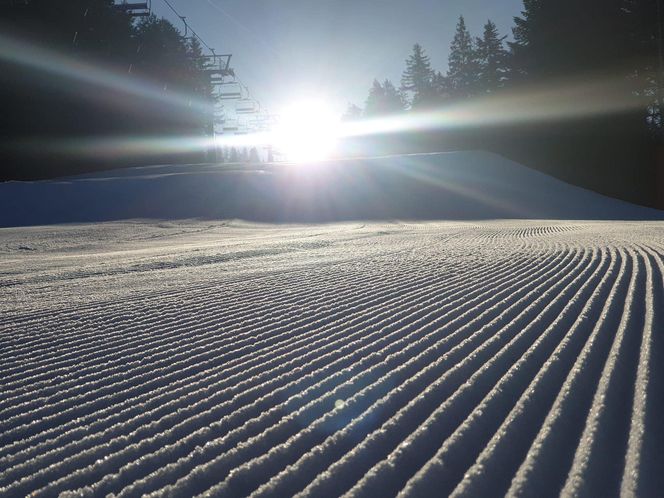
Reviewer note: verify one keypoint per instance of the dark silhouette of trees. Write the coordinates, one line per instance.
(83, 27)
(463, 74)
(596, 41)
(589, 39)
(559, 48)
(569, 37)
(167, 59)
(645, 43)
(417, 79)
(475, 66)
(492, 59)
(153, 83)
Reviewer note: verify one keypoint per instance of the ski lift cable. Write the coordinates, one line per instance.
(249, 94)
(189, 28)
(193, 32)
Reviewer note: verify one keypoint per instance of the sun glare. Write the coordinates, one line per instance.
(308, 131)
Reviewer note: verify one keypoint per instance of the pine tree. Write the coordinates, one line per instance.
(642, 21)
(383, 99)
(535, 43)
(492, 58)
(441, 86)
(374, 102)
(199, 82)
(353, 113)
(463, 73)
(567, 37)
(394, 99)
(417, 79)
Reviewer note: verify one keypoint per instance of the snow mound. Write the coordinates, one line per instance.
(452, 186)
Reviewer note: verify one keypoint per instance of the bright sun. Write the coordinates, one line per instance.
(307, 131)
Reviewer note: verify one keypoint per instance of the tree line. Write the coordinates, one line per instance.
(554, 43)
(475, 66)
(550, 40)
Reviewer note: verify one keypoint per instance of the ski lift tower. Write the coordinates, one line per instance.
(218, 69)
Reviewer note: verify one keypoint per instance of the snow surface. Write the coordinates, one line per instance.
(368, 358)
(463, 358)
(452, 186)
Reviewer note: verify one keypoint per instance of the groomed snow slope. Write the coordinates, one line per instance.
(451, 186)
(229, 359)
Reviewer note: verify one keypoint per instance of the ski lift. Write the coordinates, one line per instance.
(135, 9)
(261, 119)
(230, 91)
(186, 27)
(248, 103)
(231, 127)
(230, 96)
(245, 111)
(247, 106)
(259, 124)
(218, 67)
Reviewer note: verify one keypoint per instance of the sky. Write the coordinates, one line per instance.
(289, 50)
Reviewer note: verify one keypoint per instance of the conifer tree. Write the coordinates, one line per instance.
(463, 73)
(440, 85)
(383, 99)
(394, 99)
(492, 58)
(536, 43)
(373, 104)
(567, 37)
(417, 79)
(353, 113)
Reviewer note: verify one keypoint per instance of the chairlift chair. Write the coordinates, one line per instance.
(230, 91)
(247, 106)
(219, 66)
(230, 96)
(231, 127)
(135, 9)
